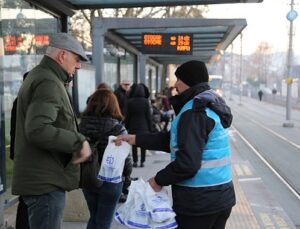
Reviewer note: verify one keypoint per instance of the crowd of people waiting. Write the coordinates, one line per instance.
(50, 144)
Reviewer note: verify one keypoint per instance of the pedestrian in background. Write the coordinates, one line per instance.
(260, 94)
(48, 146)
(200, 171)
(22, 213)
(121, 93)
(101, 119)
(167, 111)
(138, 119)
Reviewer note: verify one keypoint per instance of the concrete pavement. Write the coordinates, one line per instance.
(250, 191)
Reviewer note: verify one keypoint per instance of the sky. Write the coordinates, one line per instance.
(266, 22)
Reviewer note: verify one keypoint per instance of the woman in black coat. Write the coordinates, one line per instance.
(138, 117)
(101, 119)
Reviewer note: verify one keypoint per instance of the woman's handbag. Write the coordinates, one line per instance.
(90, 169)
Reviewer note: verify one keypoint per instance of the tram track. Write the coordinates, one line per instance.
(283, 173)
(270, 165)
(263, 107)
(275, 133)
(264, 110)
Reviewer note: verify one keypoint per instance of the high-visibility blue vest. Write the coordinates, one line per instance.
(215, 165)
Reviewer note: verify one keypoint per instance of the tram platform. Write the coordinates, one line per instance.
(256, 207)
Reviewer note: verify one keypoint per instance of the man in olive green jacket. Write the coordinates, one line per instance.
(48, 146)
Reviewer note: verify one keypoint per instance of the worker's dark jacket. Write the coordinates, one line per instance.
(46, 134)
(193, 131)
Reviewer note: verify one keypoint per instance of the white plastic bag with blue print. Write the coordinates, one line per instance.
(113, 161)
(158, 204)
(145, 208)
(133, 213)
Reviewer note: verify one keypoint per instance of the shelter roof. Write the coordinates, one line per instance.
(210, 36)
(67, 7)
(83, 4)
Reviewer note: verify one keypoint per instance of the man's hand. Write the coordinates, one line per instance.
(154, 185)
(83, 154)
(129, 138)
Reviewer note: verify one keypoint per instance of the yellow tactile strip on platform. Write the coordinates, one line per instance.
(242, 170)
(273, 221)
(242, 216)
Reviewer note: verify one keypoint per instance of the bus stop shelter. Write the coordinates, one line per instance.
(210, 36)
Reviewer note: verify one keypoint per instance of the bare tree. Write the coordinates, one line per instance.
(264, 66)
(260, 62)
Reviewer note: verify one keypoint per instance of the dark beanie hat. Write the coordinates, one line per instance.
(192, 73)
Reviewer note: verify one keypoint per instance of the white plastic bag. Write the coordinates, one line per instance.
(133, 213)
(113, 160)
(145, 208)
(158, 204)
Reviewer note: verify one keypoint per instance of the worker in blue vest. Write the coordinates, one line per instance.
(200, 169)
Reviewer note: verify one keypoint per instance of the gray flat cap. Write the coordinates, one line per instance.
(69, 43)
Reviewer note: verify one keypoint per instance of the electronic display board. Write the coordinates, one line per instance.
(15, 43)
(166, 43)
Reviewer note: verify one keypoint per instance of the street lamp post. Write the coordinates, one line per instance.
(291, 16)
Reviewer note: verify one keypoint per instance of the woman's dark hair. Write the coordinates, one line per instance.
(103, 85)
(104, 103)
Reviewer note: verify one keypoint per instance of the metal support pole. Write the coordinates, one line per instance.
(290, 16)
(98, 47)
(142, 68)
(65, 27)
(241, 67)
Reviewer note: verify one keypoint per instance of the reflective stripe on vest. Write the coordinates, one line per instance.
(215, 165)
